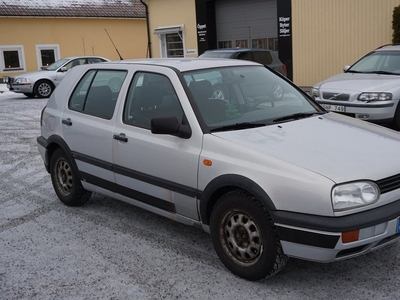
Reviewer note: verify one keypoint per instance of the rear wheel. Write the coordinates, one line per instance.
(244, 237)
(66, 182)
(43, 88)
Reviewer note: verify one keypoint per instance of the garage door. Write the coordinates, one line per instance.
(246, 23)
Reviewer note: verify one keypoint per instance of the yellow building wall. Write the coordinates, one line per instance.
(329, 34)
(81, 36)
(169, 13)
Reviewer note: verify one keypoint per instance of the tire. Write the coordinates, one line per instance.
(43, 89)
(29, 95)
(115, 84)
(396, 120)
(236, 217)
(277, 91)
(219, 92)
(66, 182)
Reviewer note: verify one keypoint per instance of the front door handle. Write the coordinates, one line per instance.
(121, 137)
(67, 122)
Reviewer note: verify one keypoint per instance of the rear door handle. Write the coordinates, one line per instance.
(121, 137)
(67, 122)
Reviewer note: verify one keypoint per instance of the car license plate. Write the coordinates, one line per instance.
(331, 107)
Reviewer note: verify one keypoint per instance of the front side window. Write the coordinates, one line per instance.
(249, 97)
(150, 96)
(12, 58)
(96, 94)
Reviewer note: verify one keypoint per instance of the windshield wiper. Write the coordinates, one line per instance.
(238, 126)
(297, 116)
(383, 72)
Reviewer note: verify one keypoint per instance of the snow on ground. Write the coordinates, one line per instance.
(110, 250)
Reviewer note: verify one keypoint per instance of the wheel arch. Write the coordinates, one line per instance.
(225, 183)
(53, 143)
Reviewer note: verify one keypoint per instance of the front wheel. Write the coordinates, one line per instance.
(65, 181)
(244, 237)
(29, 95)
(43, 88)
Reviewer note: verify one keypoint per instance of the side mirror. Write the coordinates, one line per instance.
(345, 68)
(171, 126)
(63, 69)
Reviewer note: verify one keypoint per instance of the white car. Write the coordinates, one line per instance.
(42, 83)
(268, 179)
(368, 90)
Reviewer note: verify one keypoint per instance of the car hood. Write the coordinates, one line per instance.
(34, 74)
(335, 146)
(360, 82)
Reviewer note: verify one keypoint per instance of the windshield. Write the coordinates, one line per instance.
(54, 66)
(383, 62)
(246, 97)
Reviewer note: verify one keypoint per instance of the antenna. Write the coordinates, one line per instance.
(120, 57)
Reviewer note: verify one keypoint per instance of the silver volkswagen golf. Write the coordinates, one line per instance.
(268, 179)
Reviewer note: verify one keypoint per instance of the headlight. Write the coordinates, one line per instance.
(375, 96)
(315, 93)
(21, 80)
(354, 194)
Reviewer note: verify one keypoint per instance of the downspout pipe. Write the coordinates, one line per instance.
(148, 28)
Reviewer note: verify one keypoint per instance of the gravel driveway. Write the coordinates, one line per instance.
(110, 250)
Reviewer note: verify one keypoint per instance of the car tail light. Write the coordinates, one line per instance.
(284, 68)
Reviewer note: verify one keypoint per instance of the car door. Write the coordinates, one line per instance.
(88, 124)
(158, 171)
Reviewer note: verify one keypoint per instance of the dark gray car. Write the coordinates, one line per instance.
(262, 56)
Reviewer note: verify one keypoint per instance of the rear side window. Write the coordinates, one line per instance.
(264, 58)
(97, 93)
(244, 56)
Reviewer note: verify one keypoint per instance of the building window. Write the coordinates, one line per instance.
(242, 44)
(47, 54)
(265, 43)
(224, 44)
(12, 58)
(172, 42)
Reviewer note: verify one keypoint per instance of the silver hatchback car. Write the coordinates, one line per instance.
(368, 90)
(268, 179)
(42, 83)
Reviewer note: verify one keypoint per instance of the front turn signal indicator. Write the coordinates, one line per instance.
(207, 162)
(350, 236)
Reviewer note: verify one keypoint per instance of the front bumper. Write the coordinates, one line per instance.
(20, 88)
(319, 238)
(377, 111)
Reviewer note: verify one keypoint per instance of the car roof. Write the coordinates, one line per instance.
(239, 50)
(84, 56)
(184, 64)
(395, 47)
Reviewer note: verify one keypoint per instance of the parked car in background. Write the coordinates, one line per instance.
(368, 90)
(262, 56)
(42, 83)
(268, 179)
